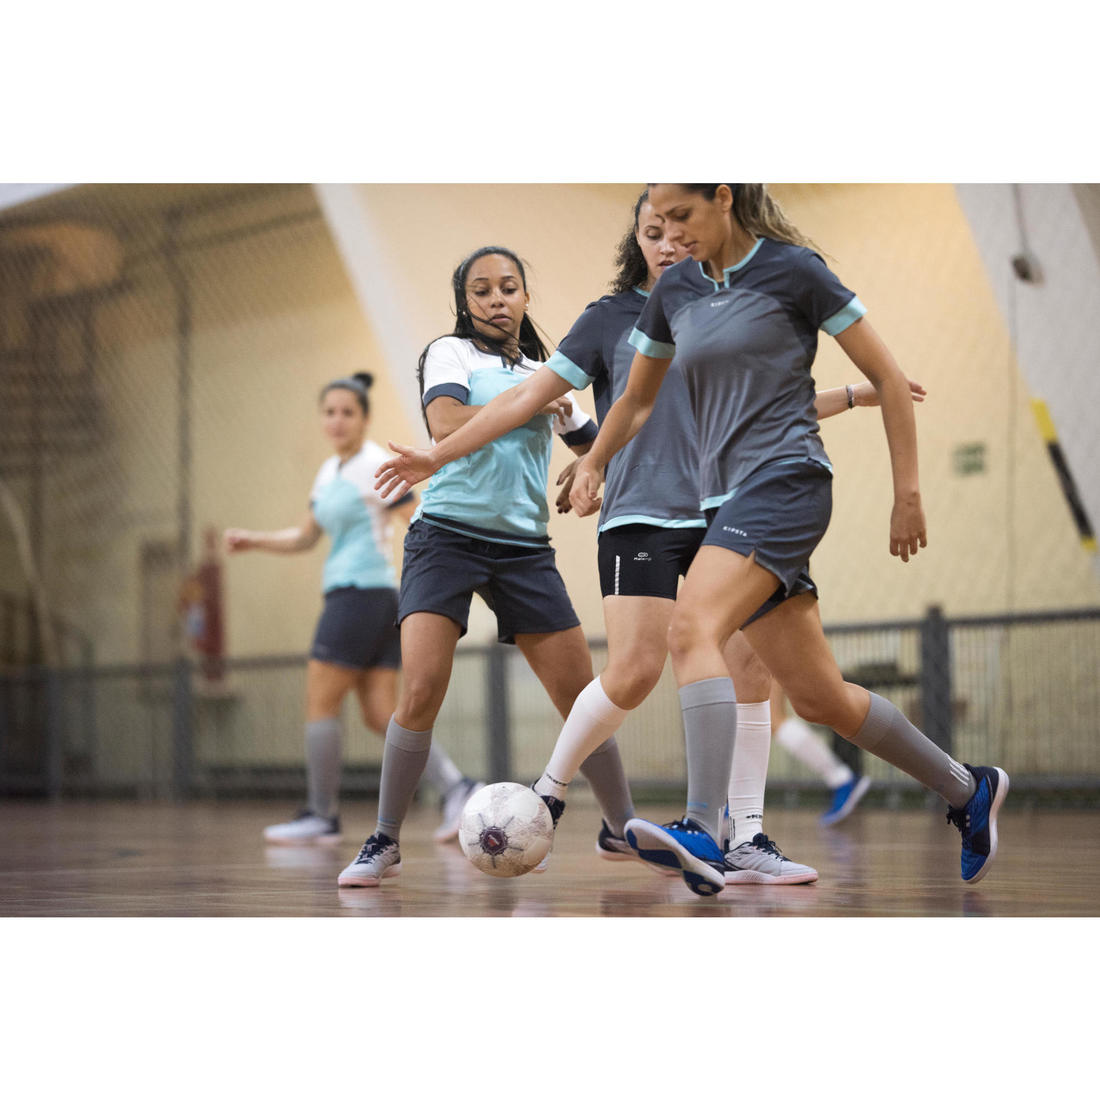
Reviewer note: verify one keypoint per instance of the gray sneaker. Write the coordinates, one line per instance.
(454, 801)
(306, 828)
(759, 861)
(379, 858)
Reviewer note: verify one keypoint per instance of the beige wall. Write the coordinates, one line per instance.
(276, 316)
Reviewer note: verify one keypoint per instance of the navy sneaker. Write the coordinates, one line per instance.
(610, 846)
(977, 821)
(845, 799)
(683, 846)
(556, 806)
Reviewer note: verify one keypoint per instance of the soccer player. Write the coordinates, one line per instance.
(355, 645)
(481, 527)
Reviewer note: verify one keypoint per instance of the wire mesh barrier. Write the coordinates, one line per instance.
(1019, 691)
(162, 349)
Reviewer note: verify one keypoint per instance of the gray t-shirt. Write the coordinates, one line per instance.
(654, 479)
(746, 347)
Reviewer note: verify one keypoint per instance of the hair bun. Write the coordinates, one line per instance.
(365, 379)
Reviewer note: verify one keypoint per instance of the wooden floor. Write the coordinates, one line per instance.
(208, 859)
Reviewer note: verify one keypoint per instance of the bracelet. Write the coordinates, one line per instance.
(851, 397)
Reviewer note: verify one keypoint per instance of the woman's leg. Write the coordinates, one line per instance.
(563, 664)
(791, 640)
(319, 823)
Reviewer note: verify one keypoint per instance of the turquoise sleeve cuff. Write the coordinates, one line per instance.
(851, 313)
(564, 367)
(653, 348)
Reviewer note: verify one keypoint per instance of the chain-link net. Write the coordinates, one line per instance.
(161, 352)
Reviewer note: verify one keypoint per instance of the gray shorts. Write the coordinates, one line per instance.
(521, 585)
(781, 513)
(358, 629)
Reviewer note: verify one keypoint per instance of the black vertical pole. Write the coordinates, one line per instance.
(182, 710)
(498, 718)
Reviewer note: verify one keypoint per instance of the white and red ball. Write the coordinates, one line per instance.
(505, 830)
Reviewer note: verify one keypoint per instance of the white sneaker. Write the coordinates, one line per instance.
(306, 828)
(759, 861)
(454, 801)
(379, 858)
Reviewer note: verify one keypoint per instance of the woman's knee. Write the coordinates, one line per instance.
(629, 680)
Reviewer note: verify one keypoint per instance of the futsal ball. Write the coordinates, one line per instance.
(505, 830)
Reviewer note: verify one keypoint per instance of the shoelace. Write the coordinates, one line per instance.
(959, 818)
(762, 842)
(373, 845)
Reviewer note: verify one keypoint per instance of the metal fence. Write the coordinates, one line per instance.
(1022, 691)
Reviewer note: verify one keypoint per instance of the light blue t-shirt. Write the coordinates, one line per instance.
(350, 511)
(499, 491)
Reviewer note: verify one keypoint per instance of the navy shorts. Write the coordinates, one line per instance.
(358, 629)
(781, 513)
(641, 559)
(521, 585)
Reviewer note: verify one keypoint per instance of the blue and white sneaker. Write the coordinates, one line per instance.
(683, 846)
(845, 799)
(977, 821)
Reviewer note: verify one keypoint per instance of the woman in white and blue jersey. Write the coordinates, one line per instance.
(741, 316)
(481, 527)
(355, 645)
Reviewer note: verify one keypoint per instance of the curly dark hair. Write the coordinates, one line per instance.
(530, 343)
(632, 270)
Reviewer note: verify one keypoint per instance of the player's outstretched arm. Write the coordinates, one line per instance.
(863, 395)
(290, 540)
(542, 392)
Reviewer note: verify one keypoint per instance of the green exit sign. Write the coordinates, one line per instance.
(969, 458)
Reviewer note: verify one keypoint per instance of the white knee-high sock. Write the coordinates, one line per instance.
(749, 771)
(592, 720)
(813, 751)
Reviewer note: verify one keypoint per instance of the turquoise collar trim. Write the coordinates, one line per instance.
(638, 290)
(736, 267)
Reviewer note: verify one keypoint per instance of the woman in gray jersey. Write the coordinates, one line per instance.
(742, 316)
(650, 528)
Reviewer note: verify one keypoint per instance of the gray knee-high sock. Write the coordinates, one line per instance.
(709, 708)
(440, 770)
(604, 771)
(403, 761)
(888, 734)
(323, 765)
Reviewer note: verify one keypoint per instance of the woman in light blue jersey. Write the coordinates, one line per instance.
(482, 528)
(355, 646)
(741, 317)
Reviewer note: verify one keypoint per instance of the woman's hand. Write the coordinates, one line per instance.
(396, 476)
(562, 408)
(565, 480)
(585, 493)
(907, 528)
(237, 539)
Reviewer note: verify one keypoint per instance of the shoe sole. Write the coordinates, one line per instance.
(655, 846)
(329, 840)
(762, 878)
(369, 880)
(858, 791)
(998, 801)
(614, 855)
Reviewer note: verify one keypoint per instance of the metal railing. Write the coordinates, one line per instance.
(1022, 691)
